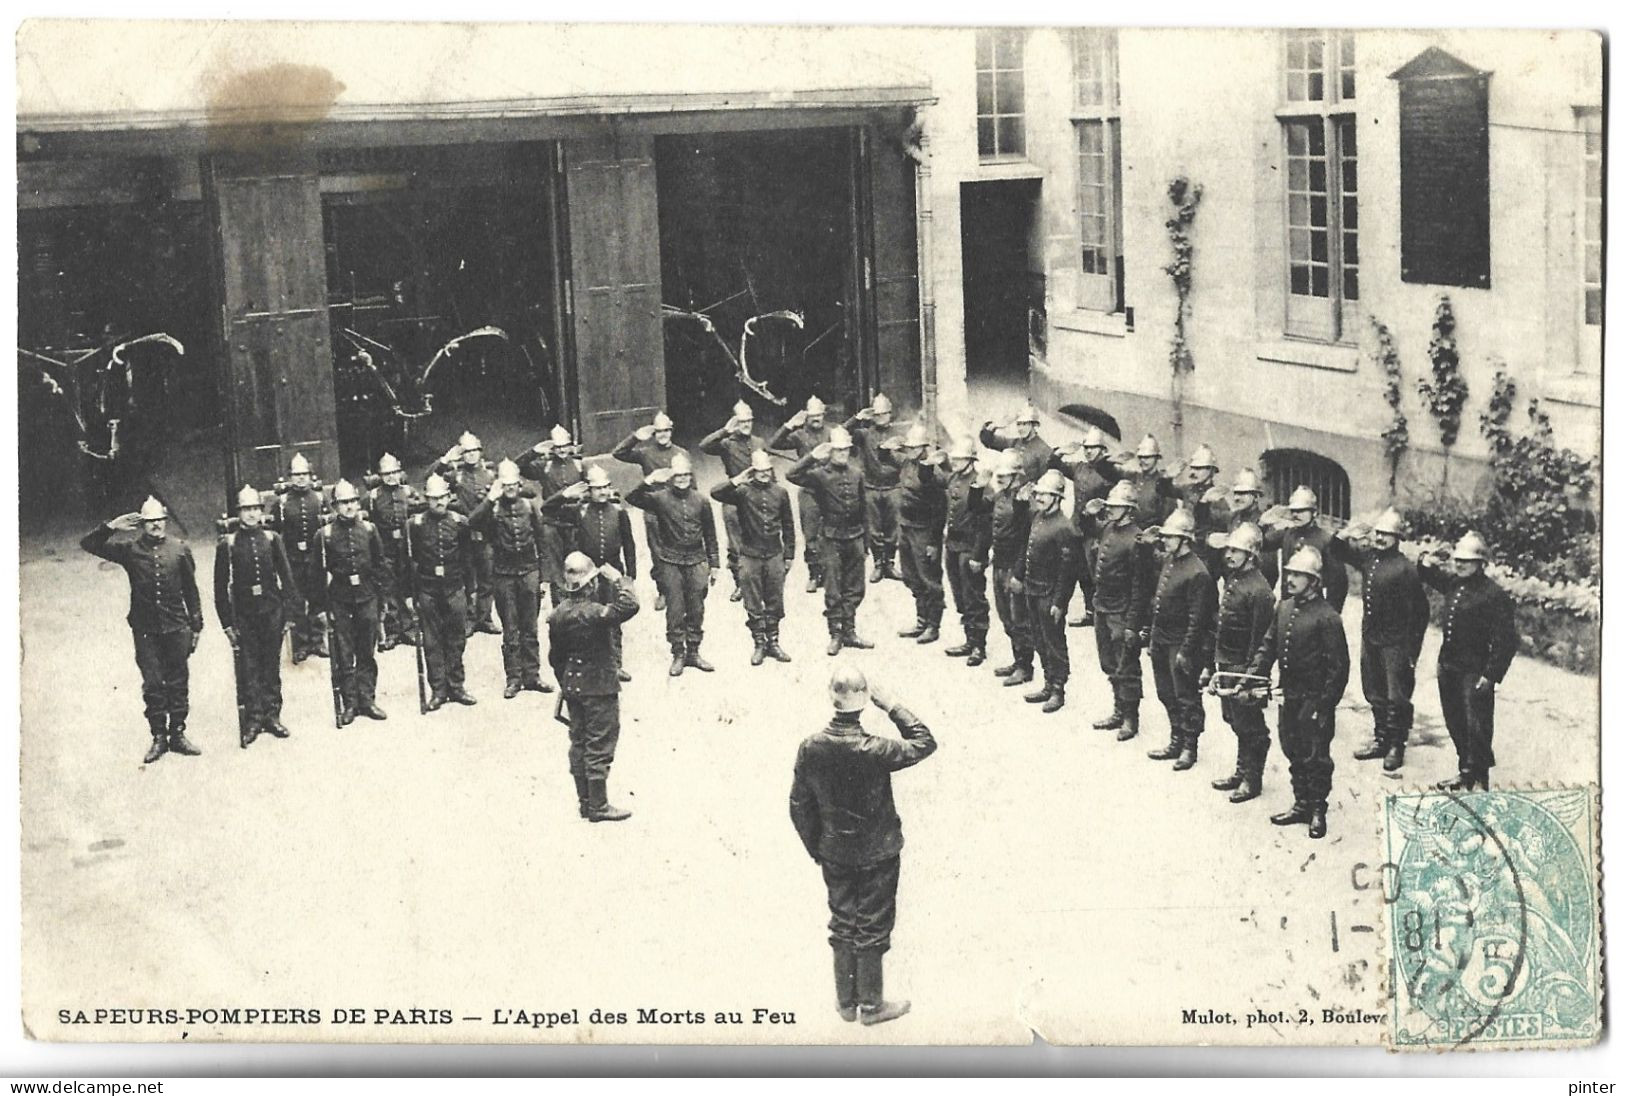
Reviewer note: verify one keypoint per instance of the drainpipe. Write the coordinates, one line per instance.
(927, 295)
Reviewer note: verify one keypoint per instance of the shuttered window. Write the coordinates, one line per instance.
(1444, 172)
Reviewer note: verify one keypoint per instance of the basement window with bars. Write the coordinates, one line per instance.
(1095, 117)
(1320, 138)
(1001, 93)
(1289, 469)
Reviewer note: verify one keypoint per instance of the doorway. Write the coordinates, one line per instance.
(1003, 277)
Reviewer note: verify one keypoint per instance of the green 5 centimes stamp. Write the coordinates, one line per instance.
(1494, 933)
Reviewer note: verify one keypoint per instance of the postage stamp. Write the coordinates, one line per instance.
(1494, 931)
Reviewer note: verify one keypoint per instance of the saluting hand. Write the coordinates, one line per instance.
(494, 493)
(821, 451)
(867, 414)
(798, 420)
(125, 523)
(609, 572)
(453, 455)
(644, 433)
(658, 476)
(881, 698)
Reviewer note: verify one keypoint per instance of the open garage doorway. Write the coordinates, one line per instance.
(1003, 279)
(757, 236)
(443, 294)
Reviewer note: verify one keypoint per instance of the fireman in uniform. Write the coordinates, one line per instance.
(352, 555)
(922, 510)
(594, 602)
(841, 491)
(1093, 475)
(841, 805)
(650, 447)
(1299, 528)
(1392, 626)
(554, 464)
(437, 546)
(1182, 606)
(1122, 590)
(471, 476)
(767, 546)
(600, 528)
(389, 504)
(300, 513)
(1208, 503)
(734, 444)
(1022, 438)
(1246, 508)
(253, 586)
(685, 563)
(969, 537)
(1307, 638)
(1246, 609)
(1045, 575)
(803, 432)
(1154, 493)
(165, 617)
(1480, 640)
(869, 428)
(1009, 516)
(513, 527)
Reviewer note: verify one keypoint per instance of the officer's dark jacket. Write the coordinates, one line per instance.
(1010, 519)
(801, 440)
(1209, 515)
(1036, 454)
(879, 474)
(1480, 630)
(1307, 637)
(1154, 496)
(580, 634)
(469, 484)
(603, 530)
(840, 494)
(687, 531)
(767, 524)
(1125, 574)
(646, 454)
(734, 449)
(841, 799)
(552, 472)
(163, 580)
(1048, 568)
(922, 498)
(299, 515)
(1182, 606)
(252, 576)
(438, 547)
(1266, 559)
(388, 508)
(1089, 481)
(1336, 576)
(353, 554)
(970, 520)
(1396, 605)
(1245, 611)
(514, 528)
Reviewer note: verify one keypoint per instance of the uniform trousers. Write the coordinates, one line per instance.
(921, 555)
(394, 587)
(684, 586)
(880, 518)
(259, 646)
(1247, 721)
(812, 530)
(443, 610)
(1306, 730)
(355, 649)
(162, 659)
(1012, 610)
(862, 903)
(1049, 638)
(308, 577)
(1469, 716)
(478, 583)
(1178, 692)
(970, 594)
(1388, 678)
(518, 602)
(843, 582)
(761, 580)
(1119, 652)
(733, 534)
(595, 728)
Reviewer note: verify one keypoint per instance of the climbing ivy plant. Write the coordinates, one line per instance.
(1397, 437)
(1185, 196)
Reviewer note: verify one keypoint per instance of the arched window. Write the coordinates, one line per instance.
(1287, 469)
(1093, 416)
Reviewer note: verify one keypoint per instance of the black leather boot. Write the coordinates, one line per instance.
(1395, 759)
(1372, 750)
(1176, 745)
(1233, 781)
(960, 650)
(931, 634)
(1251, 786)
(1187, 755)
(850, 638)
(248, 733)
(834, 645)
(693, 659)
(1317, 822)
(679, 659)
(273, 726)
(1056, 701)
(978, 652)
(910, 633)
(1461, 782)
(1019, 676)
(1296, 816)
(1131, 724)
(178, 742)
(599, 808)
(1110, 722)
(774, 651)
(1006, 670)
(581, 792)
(873, 1008)
(159, 725)
(846, 982)
(758, 654)
(1039, 695)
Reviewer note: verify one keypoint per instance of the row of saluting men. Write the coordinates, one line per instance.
(415, 570)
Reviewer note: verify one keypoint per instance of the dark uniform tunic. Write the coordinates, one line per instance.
(1245, 611)
(1090, 480)
(685, 553)
(1047, 572)
(388, 508)
(1480, 641)
(470, 483)
(1123, 582)
(1266, 558)
(922, 510)
(735, 450)
(164, 616)
(1335, 582)
(801, 441)
(1154, 496)
(439, 545)
(767, 544)
(1009, 519)
(841, 805)
(1181, 636)
(969, 539)
(581, 634)
(880, 478)
(299, 514)
(1210, 517)
(647, 456)
(253, 585)
(1392, 627)
(1307, 637)
(518, 538)
(352, 554)
(842, 502)
(1035, 453)
(553, 473)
